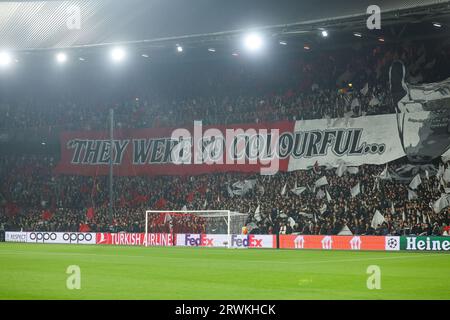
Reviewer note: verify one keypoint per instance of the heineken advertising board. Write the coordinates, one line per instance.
(425, 243)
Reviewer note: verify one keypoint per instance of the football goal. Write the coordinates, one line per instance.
(224, 222)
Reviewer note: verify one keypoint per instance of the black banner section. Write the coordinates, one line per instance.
(219, 309)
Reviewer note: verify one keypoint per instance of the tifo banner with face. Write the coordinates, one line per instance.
(326, 242)
(135, 239)
(221, 240)
(254, 148)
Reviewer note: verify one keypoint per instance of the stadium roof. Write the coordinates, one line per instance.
(36, 25)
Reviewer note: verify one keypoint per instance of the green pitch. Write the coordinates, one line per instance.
(32, 271)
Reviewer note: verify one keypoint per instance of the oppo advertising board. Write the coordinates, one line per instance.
(51, 237)
(326, 242)
(221, 240)
(61, 237)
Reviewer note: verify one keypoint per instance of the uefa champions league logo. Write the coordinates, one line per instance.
(423, 115)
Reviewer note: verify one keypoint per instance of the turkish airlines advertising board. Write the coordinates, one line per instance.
(135, 239)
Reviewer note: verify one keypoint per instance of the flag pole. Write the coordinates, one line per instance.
(111, 137)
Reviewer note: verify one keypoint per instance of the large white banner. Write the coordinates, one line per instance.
(353, 141)
(221, 240)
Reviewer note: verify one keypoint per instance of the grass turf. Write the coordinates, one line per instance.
(36, 271)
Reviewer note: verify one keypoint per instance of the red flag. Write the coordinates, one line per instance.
(140, 198)
(11, 209)
(202, 189)
(90, 213)
(123, 201)
(190, 197)
(84, 227)
(161, 203)
(46, 215)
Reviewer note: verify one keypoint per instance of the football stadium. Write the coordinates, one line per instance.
(224, 150)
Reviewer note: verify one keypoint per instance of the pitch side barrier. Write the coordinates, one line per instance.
(252, 241)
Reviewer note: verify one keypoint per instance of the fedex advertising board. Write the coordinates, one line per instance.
(221, 240)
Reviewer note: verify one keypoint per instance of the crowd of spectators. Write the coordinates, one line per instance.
(35, 199)
(326, 84)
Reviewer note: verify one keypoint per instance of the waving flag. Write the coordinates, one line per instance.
(384, 175)
(446, 175)
(283, 191)
(321, 182)
(355, 190)
(46, 215)
(415, 182)
(230, 192)
(298, 190)
(377, 220)
(320, 194)
(341, 169)
(242, 187)
(441, 203)
(90, 213)
(328, 196)
(411, 195)
(161, 203)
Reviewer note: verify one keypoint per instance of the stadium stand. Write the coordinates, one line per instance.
(340, 84)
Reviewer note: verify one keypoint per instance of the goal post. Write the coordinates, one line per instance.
(195, 222)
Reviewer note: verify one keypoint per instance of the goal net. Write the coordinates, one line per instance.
(224, 222)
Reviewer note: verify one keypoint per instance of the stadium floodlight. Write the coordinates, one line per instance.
(222, 223)
(61, 57)
(179, 48)
(324, 33)
(5, 58)
(117, 54)
(253, 41)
